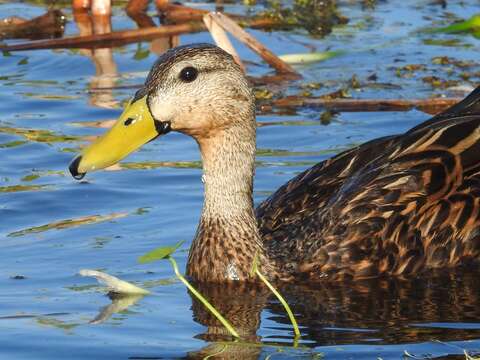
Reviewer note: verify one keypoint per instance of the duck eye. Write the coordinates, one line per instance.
(188, 74)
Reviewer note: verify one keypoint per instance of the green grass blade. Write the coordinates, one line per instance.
(282, 300)
(221, 351)
(204, 301)
(255, 270)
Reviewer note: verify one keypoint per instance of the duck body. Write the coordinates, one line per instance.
(397, 205)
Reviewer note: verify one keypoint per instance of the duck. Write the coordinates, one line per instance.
(394, 206)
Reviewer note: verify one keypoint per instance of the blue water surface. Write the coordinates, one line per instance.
(52, 226)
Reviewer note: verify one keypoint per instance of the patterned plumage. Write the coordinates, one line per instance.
(395, 205)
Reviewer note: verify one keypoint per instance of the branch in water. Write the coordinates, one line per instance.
(431, 106)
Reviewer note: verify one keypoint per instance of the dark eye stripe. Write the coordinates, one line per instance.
(128, 121)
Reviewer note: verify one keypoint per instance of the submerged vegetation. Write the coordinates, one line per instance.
(166, 252)
(347, 52)
(317, 17)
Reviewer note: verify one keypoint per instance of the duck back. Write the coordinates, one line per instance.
(396, 205)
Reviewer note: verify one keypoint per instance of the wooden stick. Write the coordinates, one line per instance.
(221, 39)
(50, 24)
(137, 11)
(430, 106)
(233, 28)
(174, 13)
(107, 40)
(272, 79)
(116, 38)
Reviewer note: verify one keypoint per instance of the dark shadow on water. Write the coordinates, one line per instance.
(438, 306)
(394, 309)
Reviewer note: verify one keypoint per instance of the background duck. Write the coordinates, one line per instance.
(396, 205)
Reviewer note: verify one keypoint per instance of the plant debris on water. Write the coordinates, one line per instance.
(356, 65)
(316, 17)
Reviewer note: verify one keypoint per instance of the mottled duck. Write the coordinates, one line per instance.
(394, 206)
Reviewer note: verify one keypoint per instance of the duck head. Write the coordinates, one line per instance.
(198, 90)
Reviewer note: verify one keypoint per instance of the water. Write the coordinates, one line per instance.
(52, 226)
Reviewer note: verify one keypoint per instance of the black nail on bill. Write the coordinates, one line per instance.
(74, 168)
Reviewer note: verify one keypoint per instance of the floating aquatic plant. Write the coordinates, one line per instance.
(62, 224)
(308, 58)
(122, 287)
(316, 17)
(256, 271)
(114, 284)
(141, 53)
(165, 252)
(471, 25)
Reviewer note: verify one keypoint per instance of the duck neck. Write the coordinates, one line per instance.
(227, 238)
(228, 168)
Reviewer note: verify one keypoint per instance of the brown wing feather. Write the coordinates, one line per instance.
(395, 205)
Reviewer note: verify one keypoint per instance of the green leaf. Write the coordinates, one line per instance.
(30, 177)
(310, 57)
(446, 42)
(469, 25)
(159, 253)
(141, 54)
(6, 53)
(24, 61)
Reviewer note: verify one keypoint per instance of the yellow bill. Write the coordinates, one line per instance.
(134, 128)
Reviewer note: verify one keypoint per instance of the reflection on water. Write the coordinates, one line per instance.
(50, 226)
(390, 310)
(49, 25)
(435, 307)
(439, 307)
(105, 67)
(106, 74)
(119, 303)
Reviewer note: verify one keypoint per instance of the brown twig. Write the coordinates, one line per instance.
(106, 40)
(430, 106)
(137, 11)
(176, 14)
(116, 38)
(50, 24)
(221, 38)
(233, 28)
(173, 13)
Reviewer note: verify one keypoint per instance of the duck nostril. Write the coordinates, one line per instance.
(74, 168)
(128, 121)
